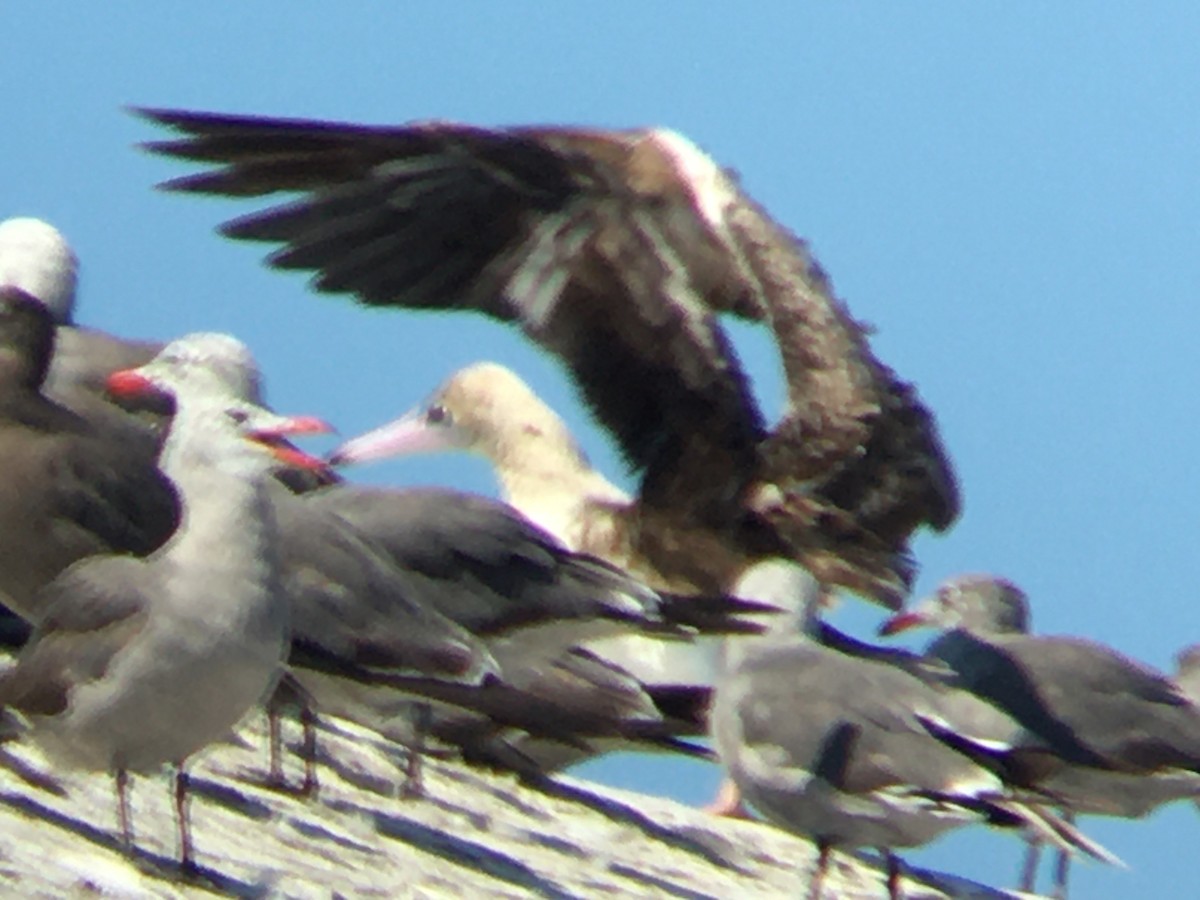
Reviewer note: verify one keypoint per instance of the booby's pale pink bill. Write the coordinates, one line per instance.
(619, 251)
(411, 433)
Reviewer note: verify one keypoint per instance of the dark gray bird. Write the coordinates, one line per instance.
(840, 748)
(35, 257)
(137, 663)
(71, 489)
(533, 604)
(347, 599)
(495, 571)
(618, 251)
(1130, 737)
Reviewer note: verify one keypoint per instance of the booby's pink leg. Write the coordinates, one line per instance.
(893, 873)
(728, 802)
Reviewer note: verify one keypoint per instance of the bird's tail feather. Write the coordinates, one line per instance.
(1058, 831)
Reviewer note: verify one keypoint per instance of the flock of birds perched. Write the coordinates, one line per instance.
(169, 561)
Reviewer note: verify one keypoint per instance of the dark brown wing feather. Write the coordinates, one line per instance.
(534, 225)
(857, 459)
(413, 216)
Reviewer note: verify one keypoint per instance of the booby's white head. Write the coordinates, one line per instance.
(485, 408)
(35, 257)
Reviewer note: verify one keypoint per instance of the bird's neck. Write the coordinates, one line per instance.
(790, 588)
(552, 484)
(227, 522)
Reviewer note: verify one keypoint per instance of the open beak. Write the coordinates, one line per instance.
(292, 425)
(274, 438)
(295, 457)
(411, 433)
(902, 622)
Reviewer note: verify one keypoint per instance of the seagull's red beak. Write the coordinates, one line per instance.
(902, 622)
(293, 425)
(273, 437)
(131, 383)
(297, 458)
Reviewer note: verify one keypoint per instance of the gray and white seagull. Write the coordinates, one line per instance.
(136, 663)
(847, 747)
(1128, 736)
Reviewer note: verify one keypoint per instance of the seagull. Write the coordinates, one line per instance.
(1129, 735)
(346, 598)
(137, 663)
(36, 257)
(618, 251)
(839, 747)
(71, 488)
(537, 606)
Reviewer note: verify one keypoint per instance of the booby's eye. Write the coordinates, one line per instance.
(437, 415)
(239, 416)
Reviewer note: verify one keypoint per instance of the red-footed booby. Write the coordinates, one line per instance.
(618, 251)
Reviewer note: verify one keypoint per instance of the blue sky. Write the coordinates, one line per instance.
(1010, 193)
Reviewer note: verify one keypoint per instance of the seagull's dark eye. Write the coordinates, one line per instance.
(437, 415)
(239, 416)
